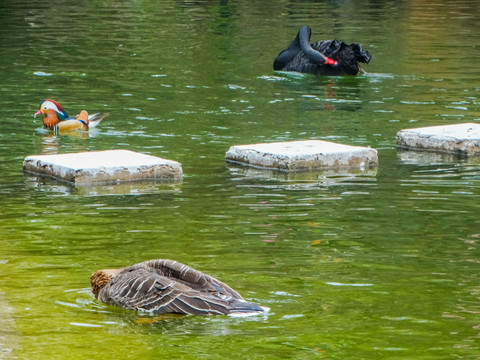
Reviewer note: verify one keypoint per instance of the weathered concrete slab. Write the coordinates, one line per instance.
(461, 139)
(110, 166)
(304, 155)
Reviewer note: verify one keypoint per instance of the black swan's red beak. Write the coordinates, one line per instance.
(329, 61)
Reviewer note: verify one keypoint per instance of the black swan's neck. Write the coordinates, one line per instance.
(303, 38)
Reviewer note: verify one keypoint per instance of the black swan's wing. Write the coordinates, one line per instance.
(360, 54)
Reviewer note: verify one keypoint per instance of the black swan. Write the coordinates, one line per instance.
(329, 57)
(166, 286)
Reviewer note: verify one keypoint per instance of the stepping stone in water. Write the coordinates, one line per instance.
(304, 155)
(110, 166)
(460, 139)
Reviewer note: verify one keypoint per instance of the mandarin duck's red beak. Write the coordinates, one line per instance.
(37, 113)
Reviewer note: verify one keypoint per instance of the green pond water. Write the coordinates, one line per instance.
(379, 264)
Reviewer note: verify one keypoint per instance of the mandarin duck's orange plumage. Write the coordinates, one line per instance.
(57, 119)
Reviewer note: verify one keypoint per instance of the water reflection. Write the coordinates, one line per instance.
(414, 157)
(322, 93)
(9, 337)
(51, 143)
(111, 318)
(252, 177)
(53, 186)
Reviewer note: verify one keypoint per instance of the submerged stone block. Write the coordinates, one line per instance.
(461, 139)
(304, 155)
(110, 166)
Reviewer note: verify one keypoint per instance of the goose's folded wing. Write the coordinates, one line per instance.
(194, 304)
(150, 292)
(190, 277)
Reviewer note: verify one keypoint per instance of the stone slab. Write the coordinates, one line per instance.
(307, 155)
(461, 139)
(110, 166)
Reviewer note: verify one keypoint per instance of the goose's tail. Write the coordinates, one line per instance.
(243, 308)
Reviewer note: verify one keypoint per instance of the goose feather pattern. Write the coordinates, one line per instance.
(167, 286)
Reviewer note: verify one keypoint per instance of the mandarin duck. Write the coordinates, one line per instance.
(167, 286)
(329, 57)
(56, 118)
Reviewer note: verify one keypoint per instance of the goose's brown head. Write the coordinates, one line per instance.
(99, 279)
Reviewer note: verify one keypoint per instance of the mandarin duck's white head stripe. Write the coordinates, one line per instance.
(49, 104)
